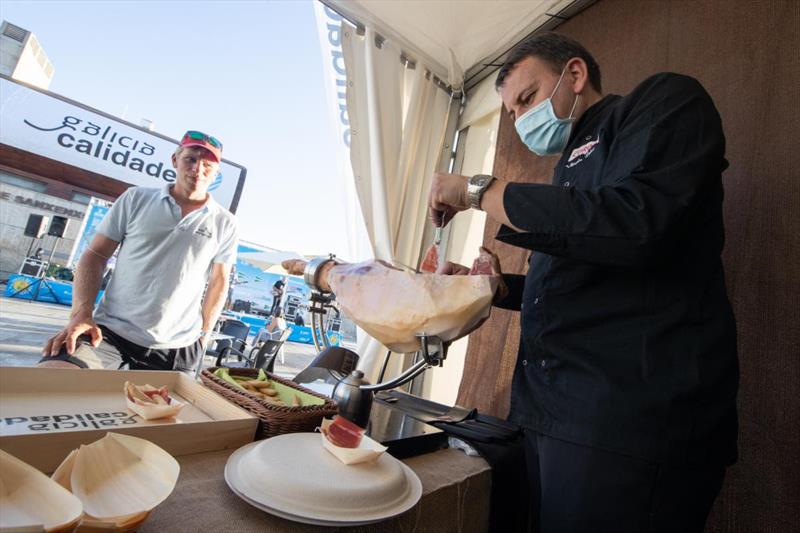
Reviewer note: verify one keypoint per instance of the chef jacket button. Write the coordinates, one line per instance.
(524, 362)
(566, 184)
(587, 138)
(535, 301)
(542, 363)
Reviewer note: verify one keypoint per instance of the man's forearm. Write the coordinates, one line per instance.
(492, 203)
(88, 278)
(213, 302)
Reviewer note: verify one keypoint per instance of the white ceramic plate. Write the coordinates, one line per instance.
(294, 477)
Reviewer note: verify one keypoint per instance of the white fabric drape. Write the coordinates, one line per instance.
(329, 30)
(397, 118)
(375, 106)
(479, 123)
(482, 100)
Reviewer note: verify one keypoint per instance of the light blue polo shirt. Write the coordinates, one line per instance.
(155, 294)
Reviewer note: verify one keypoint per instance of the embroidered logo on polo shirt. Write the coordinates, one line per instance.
(204, 231)
(581, 153)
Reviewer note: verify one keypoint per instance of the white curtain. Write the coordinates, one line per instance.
(329, 29)
(398, 119)
(478, 124)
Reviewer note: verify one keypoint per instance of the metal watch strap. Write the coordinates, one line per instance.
(476, 186)
(311, 272)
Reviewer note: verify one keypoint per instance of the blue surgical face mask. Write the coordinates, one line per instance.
(541, 130)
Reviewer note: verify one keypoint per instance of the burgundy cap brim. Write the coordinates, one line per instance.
(211, 149)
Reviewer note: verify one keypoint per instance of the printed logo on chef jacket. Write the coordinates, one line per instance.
(581, 153)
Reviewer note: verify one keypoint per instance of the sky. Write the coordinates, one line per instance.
(247, 72)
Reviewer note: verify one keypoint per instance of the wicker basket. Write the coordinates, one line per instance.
(273, 419)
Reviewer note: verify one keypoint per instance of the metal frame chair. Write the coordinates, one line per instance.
(261, 356)
(236, 329)
(330, 365)
(277, 335)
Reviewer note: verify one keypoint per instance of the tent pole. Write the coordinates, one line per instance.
(484, 68)
(405, 57)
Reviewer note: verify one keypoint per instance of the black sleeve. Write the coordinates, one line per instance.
(513, 300)
(672, 152)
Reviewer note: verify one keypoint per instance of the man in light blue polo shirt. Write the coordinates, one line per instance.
(172, 241)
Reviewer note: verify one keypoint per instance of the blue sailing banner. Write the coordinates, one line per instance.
(95, 213)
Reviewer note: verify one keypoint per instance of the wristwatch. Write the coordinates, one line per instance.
(311, 272)
(476, 186)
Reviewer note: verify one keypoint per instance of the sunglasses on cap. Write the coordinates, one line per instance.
(200, 136)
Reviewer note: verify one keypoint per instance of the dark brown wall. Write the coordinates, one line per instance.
(747, 55)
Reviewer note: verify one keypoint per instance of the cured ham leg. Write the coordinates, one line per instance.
(394, 306)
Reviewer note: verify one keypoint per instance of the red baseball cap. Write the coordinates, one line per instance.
(203, 140)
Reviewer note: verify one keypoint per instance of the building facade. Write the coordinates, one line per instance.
(23, 58)
(22, 195)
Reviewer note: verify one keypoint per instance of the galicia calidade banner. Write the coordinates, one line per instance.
(52, 127)
(329, 28)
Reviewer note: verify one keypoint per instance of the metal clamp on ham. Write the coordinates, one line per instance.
(321, 296)
(311, 272)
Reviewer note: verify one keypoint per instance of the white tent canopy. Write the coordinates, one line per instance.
(452, 37)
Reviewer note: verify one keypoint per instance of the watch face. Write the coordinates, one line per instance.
(480, 180)
(477, 181)
(476, 185)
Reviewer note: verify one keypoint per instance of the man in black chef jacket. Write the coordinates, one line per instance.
(627, 372)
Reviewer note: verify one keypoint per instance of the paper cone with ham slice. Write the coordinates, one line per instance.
(151, 402)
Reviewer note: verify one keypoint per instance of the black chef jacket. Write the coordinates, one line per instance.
(628, 338)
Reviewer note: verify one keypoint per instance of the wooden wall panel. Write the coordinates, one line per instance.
(746, 55)
(492, 351)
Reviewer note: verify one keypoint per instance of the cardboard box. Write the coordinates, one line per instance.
(46, 412)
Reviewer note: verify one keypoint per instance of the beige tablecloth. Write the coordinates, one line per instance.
(455, 497)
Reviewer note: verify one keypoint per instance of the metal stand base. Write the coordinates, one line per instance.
(38, 283)
(41, 281)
